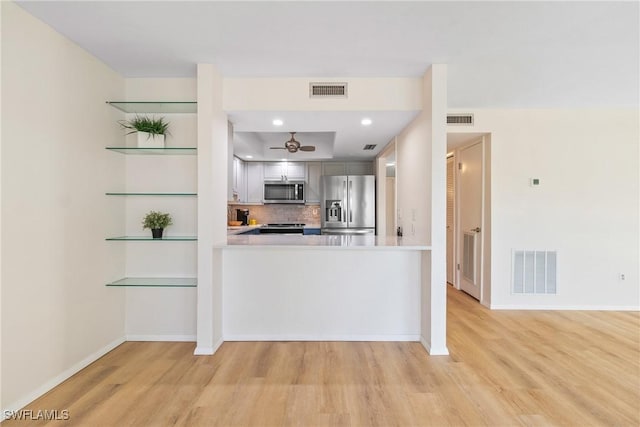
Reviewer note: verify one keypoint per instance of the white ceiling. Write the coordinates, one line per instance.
(561, 54)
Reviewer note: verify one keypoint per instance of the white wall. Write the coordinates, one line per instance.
(57, 314)
(421, 199)
(586, 207)
(292, 94)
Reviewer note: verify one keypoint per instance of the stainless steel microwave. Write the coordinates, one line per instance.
(284, 192)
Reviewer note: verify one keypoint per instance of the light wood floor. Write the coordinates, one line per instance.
(505, 368)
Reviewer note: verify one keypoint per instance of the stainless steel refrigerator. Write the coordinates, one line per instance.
(348, 204)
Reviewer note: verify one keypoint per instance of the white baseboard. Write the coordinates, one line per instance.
(330, 337)
(67, 373)
(177, 338)
(207, 351)
(565, 307)
(434, 351)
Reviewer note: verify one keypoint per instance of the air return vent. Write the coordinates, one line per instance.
(534, 272)
(327, 90)
(369, 147)
(460, 119)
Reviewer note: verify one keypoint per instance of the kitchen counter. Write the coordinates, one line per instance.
(239, 229)
(337, 242)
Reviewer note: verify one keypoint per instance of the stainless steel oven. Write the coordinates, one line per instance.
(282, 228)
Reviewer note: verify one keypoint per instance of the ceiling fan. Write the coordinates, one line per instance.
(293, 146)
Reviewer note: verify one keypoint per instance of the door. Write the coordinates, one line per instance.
(450, 221)
(470, 179)
(361, 201)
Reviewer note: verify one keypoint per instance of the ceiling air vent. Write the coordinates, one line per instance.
(460, 119)
(327, 90)
(369, 147)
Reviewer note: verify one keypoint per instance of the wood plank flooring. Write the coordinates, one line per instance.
(506, 368)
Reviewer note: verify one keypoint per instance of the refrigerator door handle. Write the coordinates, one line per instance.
(344, 194)
(350, 201)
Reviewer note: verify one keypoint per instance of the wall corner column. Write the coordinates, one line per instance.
(434, 333)
(212, 206)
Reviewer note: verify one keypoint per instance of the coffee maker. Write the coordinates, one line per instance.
(243, 215)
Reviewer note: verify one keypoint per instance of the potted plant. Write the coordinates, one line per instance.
(157, 222)
(151, 131)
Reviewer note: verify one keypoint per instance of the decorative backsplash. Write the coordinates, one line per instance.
(265, 214)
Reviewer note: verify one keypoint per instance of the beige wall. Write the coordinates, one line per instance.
(57, 314)
(586, 207)
(292, 94)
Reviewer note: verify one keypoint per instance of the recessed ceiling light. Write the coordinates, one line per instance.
(248, 157)
(278, 122)
(366, 122)
(284, 160)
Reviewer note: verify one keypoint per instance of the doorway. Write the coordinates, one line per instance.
(468, 214)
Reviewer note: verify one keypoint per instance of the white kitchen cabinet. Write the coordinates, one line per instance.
(239, 179)
(285, 171)
(347, 168)
(314, 171)
(359, 168)
(334, 168)
(255, 182)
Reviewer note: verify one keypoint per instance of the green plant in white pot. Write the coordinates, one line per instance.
(151, 131)
(157, 222)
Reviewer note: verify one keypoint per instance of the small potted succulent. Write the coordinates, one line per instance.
(151, 131)
(157, 222)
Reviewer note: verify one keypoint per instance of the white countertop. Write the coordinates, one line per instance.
(275, 241)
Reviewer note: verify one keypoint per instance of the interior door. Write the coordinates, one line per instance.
(450, 216)
(470, 186)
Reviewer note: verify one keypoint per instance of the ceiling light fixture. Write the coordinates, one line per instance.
(248, 157)
(278, 122)
(366, 121)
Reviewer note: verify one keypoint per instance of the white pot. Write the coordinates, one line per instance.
(150, 140)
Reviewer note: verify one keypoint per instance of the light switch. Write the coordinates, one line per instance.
(534, 182)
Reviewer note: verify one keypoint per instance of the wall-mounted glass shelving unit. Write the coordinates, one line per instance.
(156, 282)
(166, 107)
(151, 239)
(174, 151)
(153, 107)
(149, 194)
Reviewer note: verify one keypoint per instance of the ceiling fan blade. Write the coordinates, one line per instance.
(308, 148)
(277, 148)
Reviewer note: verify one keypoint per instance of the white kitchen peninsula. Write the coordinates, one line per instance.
(329, 288)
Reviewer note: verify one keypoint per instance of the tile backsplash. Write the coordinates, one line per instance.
(265, 214)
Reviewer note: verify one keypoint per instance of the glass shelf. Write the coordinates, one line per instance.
(149, 194)
(170, 107)
(156, 282)
(151, 239)
(188, 151)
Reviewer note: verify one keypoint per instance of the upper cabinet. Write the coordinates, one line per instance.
(285, 171)
(255, 182)
(314, 171)
(347, 168)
